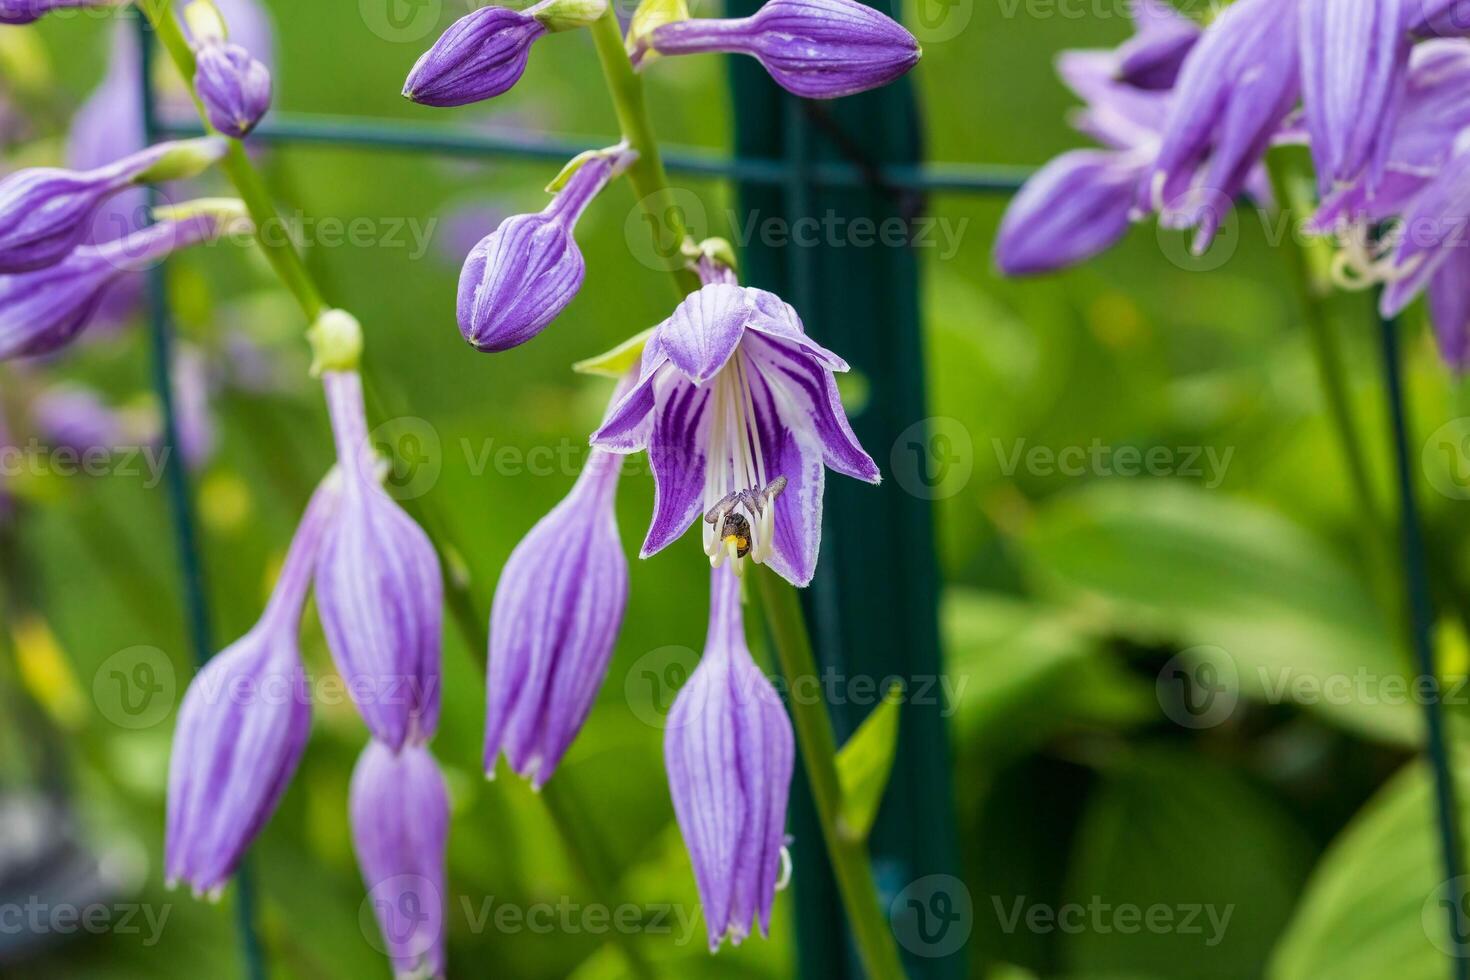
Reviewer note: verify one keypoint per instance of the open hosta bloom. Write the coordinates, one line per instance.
(739, 411)
(553, 626)
(818, 49)
(46, 212)
(729, 750)
(378, 588)
(399, 808)
(1162, 38)
(243, 726)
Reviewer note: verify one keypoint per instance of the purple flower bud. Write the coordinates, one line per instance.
(42, 311)
(75, 417)
(45, 212)
(729, 750)
(1070, 210)
(1355, 63)
(399, 809)
(817, 49)
(480, 56)
(378, 589)
(234, 87)
(1449, 308)
(553, 625)
(1433, 234)
(1236, 87)
(1152, 57)
(242, 727)
(523, 274)
(29, 11)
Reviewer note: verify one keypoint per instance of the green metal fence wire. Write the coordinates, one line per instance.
(798, 176)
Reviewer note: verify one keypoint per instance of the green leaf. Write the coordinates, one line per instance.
(618, 361)
(1158, 877)
(864, 764)
(1373, 906)
(1168, 562)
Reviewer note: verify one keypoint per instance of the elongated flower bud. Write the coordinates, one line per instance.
(29, 11)
(1070, 210)
(242, 727)
(46, 212)
(378, 588)
(523, 274)
(234, 87)
(399, 809)
(480, 56)
(1151, 58)
(553, 626)
(1355, 66)
(818, 49)
(729, 751)
(42, 311)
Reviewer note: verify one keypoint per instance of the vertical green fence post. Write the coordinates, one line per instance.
(874, 604)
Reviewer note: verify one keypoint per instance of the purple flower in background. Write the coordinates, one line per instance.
(1234, 90)
(1075, 207)
(817, 49)
(399, 808)
(1162, 38)
(234, 87)
(74, 416)
(739, 411)
(242, 727)
(1354, 62)
(522, 275)
(480, 56)
(1433, 229)
(42, 311)
(554, 623)
(192, 386)
(378, 587)
(29, 11)
(45, 212)
(729, 751)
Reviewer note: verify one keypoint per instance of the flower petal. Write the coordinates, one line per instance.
(676, 453)
(705, 329)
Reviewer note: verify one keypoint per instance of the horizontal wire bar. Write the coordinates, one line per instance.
(460, 141)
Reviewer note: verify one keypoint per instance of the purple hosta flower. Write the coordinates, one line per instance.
(234, 87)
(1436, 107)
(1162, 38)
(1075, 207)
(399, 809)
(45, 212)
(523, 274)
(554, 623)
(817, 49)
(378, 588)
(1354, 61)
(29, 11)
(1234, 91)
(192, 387)
(242, 727)
(729, 751)
(76, 417)
(42, 311)
(480, 56)
(1437, 18)
(1433, 237)
(739, 411)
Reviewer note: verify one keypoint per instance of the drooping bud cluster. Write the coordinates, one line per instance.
(233, 86)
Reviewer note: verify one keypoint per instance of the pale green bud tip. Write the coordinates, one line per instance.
(183, 159)
(204, 22)
(229, 213)
(566, 15)
(718, 250)
(336, 342)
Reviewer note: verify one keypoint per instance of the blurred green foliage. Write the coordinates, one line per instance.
(1072, 600)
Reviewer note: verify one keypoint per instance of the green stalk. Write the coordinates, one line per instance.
(650, 181)
(814, 735)
(849, 857)
(583, 848)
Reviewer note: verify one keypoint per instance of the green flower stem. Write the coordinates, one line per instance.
(647, 175)
(782, 607)
(584, 848)
(850, 863)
